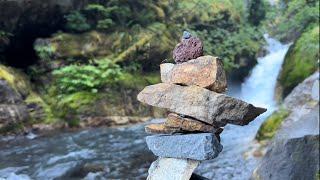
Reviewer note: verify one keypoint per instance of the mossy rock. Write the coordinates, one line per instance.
(269, 128)
(16, 79)
(20, 82)
(300, 62)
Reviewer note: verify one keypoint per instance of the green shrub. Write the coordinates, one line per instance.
(77, 22)
(270, 126)
(257, 11)
(301, 60)
(75, 78)
(297, 16)
(45, 52)
(105, 24)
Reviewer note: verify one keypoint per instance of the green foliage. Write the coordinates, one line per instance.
(297, 16)
(301, 60)
(91, 78)
(77, 22)
(105, 24)
(257, 11)
(270, 126)
(45, 52)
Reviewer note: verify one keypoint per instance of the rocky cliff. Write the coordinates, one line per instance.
(294, 150)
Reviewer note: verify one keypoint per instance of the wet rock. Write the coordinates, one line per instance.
(296, 158)
(161, 129)
(205, 71)
(171, 168)
(199, 103)
(188, 49)
(187, 124)
(202, 146)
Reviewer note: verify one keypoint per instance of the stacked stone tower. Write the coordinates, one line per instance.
(192, 90)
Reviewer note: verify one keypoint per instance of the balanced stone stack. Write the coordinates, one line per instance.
(192, 90)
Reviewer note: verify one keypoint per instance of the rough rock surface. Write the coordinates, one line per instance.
(205, 71)
(171, 168)
(200, 103)
(160, 128)
(202, 146)
(188, 124)
(188, 49)
(296, 158)
(12, 109)
(302, 93)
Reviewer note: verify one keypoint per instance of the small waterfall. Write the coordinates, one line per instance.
(259, 87)
(123, 151)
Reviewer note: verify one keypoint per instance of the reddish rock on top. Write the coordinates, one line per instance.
(188, 49)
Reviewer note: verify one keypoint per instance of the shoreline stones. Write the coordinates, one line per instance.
(191, 90)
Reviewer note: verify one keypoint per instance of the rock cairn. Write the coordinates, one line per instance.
(192, 91)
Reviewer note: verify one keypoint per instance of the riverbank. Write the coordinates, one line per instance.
(122, 152)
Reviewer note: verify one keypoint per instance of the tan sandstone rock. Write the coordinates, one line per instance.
(205, 71)
(160, 128)
(187, 124)
(199, 103)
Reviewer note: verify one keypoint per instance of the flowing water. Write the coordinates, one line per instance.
(121, 153)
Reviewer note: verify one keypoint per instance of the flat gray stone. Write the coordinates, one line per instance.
(172, 168)
(202, 146)
(200, 103)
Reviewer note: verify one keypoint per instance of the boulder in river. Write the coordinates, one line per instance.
(205, 71)
(199, 103)
(202, 146)
(171, 168)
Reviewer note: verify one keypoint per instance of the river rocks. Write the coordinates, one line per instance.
(296, 158)
(171, 168)
(191, 90)
(200, 103)
(205, 71)
(202, 146)
(188, 49)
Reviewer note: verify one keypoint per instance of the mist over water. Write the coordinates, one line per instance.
(122, 152)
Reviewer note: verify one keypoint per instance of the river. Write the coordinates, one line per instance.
(121, 153)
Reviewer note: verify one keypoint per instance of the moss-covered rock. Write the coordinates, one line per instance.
(34, 105)
(269, 128)
(300, 62)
